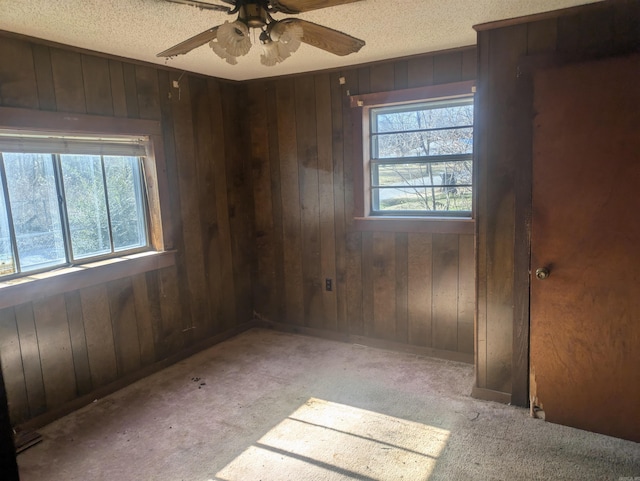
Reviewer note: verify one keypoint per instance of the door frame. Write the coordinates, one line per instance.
(528, 65)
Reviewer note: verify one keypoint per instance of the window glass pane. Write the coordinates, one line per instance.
(431, 199)
(423, 144)
(414, 174)
(35, 210)
(125, 202)
(7, 263)
(86, 205)
(422, 116)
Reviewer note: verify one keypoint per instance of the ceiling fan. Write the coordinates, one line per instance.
(279, 38)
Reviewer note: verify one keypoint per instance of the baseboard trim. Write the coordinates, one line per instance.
(77, 403)
(491, 395)
(368, 341)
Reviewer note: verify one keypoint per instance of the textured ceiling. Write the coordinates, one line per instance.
(141, 28)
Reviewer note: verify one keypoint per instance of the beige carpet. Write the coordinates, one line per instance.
(272, 406)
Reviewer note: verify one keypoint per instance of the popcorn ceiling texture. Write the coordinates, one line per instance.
(139, 29)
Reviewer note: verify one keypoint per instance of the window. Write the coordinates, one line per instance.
(69, 199)
(413, 169)
(421, 158)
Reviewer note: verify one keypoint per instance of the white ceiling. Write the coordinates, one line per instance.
(141, 28)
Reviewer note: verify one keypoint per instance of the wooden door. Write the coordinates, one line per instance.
(585, 317)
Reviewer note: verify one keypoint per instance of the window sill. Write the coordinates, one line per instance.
(58, 281)
(445, 225)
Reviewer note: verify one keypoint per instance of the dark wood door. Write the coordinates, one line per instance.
(585, 316)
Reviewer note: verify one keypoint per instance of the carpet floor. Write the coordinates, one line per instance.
(271, 406)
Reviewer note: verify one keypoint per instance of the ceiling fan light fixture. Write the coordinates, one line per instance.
(288, 36)
(270, 55)
(222, 53)
(279, 38)
(234, 38)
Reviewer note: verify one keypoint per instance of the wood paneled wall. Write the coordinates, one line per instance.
(59, 348)
(507, 51)
(407, 287)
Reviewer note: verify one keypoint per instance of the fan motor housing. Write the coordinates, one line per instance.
(253, 14)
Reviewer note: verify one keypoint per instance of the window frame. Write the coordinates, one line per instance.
(364, 218)
(158, 214)
(63, 210)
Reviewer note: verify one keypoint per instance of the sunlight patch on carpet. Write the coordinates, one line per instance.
(327, 440)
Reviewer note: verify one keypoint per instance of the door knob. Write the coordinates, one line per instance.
(542, 273)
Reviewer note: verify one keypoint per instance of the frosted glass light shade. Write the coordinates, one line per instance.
(270, 55)
(222, 53)
(288, 36)
(234, 38)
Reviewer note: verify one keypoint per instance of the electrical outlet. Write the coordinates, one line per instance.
(328, 284)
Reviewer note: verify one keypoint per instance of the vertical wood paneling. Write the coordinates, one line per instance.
(239, 192)
(481, 147)
(420, 282)
(326, 207)
(118, 96)
(155, 314)
(55, 351)
(354, 285)
(190, 209)
(367, 293)
(167, 92)
(277, 290)
(44, 77)
(381, 77)
(291, 208)
(148, 92)
(31, 359)
(383, 281)
(68, 81)
(82, 340)
(504, 186)
(469, 65)
(306, 135)
(97, 85)
(384, 284)
(225, 258)
(402, 287)
(466, 293)
(447, 67)
(130, 90)
(541, 36)
(123, 320)
(17, 76)
(420, 71)
(445, 291)
(194, 306)
(401, 74)
(204, 148)
(144, 319)
(99, 335)
(337, 136)
(507, 48)
(262, 199)
(11, 363)
(78, 342)
(172, 337)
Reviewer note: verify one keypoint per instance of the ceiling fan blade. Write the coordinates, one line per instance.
(297, 6)
(205, 5)
(190, 43)
(326, 38)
